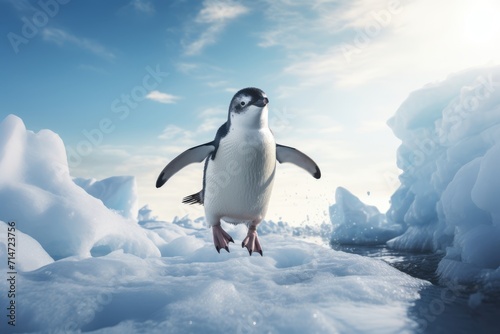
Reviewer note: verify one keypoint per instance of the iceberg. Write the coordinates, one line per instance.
(355, 223)
(450, 184)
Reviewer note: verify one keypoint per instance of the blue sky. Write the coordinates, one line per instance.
(147, 79)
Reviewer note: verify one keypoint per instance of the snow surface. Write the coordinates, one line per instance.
(114, 274)
(450, 185)
(297, 287)
(356, 223)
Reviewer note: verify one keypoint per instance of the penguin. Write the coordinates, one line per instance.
(239, 170)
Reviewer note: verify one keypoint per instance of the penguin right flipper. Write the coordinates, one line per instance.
(294, 156)
(192, 155)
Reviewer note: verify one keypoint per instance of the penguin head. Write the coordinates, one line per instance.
(248, 108)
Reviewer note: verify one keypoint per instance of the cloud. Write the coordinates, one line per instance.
(321, 39)
(215, 11)
(354, 43)
(217, 84)
(173, 131)
(206, 38)
(286, 24)
(144, 6)
(61, 37)
(211, 112)
(211, 119)
(297, 25)
(213, 18)
(162, 97)
(187, 68)
(311, 35)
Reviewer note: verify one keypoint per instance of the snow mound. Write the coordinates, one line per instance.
(37, 192)
(118, 193)
(355, 223)
(29, 254)
(297, 287)
(450, 185)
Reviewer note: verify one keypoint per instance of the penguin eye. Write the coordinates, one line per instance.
(242, 103)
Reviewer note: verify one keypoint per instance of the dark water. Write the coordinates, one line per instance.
(443, 307)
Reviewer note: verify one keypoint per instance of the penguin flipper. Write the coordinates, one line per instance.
(294, 156)
(192, 155)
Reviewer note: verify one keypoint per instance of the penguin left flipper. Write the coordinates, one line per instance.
(294, 156)
(192, 155)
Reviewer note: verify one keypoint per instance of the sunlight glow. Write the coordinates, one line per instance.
(481, 24)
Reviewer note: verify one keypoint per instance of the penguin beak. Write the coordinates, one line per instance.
(262, 102)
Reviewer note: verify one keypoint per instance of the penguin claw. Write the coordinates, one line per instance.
(252, 243)
(221, 238)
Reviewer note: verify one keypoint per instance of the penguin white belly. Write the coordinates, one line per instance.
(239, 181)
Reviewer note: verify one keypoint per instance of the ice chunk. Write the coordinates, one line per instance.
(37, 192)
(357, 223)
(146, 214)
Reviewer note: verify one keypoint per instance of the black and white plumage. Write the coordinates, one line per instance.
(240, 164)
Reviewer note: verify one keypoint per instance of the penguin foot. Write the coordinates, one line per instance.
(251, 242)
(221, 238)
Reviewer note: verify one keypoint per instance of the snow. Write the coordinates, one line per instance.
(38, 193)
(117, 193)
(86, 262)
(450, 185)
(29, 253)
(296, 287)
(356, 223)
